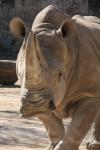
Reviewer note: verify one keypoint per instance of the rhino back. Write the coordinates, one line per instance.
(86, 77)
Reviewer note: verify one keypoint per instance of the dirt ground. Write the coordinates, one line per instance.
(17, 133)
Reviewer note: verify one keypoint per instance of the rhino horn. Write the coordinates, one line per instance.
(33, 70)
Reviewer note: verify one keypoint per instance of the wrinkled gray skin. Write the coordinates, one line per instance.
(59, 69)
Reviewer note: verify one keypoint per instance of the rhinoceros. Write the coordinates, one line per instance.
(58, 66)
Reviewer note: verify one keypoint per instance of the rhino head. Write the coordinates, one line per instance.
(44, 60)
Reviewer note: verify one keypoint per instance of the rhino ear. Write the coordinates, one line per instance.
(67, 29)
(17, 27)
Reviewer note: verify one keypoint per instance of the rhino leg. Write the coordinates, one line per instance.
(94, 143)
(82, 119)
(54, 127)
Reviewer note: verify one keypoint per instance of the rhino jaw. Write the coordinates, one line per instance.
(37, 102)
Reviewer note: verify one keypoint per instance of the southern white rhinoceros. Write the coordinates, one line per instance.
(59, 69)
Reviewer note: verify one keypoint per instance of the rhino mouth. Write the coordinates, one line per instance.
(36, 102)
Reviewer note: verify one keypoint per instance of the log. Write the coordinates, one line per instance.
(8, 72)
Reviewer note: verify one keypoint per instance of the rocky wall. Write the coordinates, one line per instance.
(27, 10)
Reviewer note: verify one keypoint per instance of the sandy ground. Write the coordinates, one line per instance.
(17, 133)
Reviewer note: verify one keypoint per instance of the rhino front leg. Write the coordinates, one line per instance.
(82, 119)
(54, 127)
(94, 143)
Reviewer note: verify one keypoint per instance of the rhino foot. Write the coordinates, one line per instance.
(51, 146)
(93, 146)
(66, 146)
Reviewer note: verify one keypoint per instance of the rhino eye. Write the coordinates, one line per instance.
(59, 75)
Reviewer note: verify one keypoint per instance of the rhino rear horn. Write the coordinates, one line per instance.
(67, 28)
(17, 27)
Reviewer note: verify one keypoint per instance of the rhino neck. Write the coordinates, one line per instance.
(33, 72)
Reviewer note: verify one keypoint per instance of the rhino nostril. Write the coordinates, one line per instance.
(52, 105)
